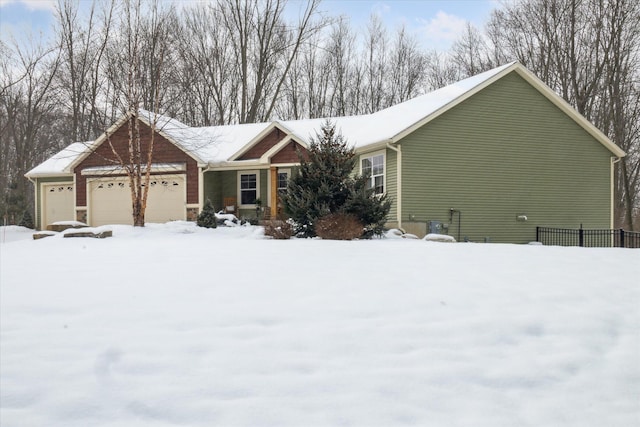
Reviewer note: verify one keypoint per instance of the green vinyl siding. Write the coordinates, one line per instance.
(221, 184)
(504, 152)
(218, 185)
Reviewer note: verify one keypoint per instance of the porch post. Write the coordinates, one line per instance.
(274, 192)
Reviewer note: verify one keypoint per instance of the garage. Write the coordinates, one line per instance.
(58, 203)
(109, 200)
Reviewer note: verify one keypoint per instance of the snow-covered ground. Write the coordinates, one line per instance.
(172, 325)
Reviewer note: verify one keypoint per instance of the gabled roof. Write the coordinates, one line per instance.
(57, 164)
(394, 123)
(173, 130)
(222, 145)
(385, 125)
(277, 124)
(442, 100)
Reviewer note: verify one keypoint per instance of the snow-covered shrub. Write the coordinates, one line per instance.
(207, 217)
(339, 226)
(278, 229)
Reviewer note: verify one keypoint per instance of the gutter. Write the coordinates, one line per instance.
(398, 150)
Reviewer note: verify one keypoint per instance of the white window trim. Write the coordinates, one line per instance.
(283, 170)
(248, 172)
(382, 153)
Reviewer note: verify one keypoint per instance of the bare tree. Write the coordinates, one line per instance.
(345, 75)
(143, 85)
(209, 76)
(376, 45)
(83, 44)
(27, 110)
(408, 68)
(265, 47)
(470, 53)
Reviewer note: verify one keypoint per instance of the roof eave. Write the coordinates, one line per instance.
(47, 175)
(95, 144)
(539, 85)
(373, 146)
(565, 107)
(466, 95)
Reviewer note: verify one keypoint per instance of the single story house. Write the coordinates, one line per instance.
(488, 158)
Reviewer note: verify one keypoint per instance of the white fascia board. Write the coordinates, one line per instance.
(258, 138)
(266, 157)
(104, 136)
(565, 107)
(118, 170)
(48, 175)
(95, 144)
(373, 146)
(466, 95)
(236, 165)
(541, 87)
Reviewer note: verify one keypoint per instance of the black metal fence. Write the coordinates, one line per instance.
(606, 238)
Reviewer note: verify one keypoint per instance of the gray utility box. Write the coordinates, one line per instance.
(436, 227)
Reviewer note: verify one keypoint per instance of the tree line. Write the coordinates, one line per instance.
(243, 61)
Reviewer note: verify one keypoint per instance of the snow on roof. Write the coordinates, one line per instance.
(385, 124)
(56, 164)
(217, 144)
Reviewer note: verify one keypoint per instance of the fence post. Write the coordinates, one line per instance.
(537, 233)
(581, 236)
(622, 238)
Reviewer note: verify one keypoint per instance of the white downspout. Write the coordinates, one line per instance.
(201, 171)
(614, 160)
(398, 150)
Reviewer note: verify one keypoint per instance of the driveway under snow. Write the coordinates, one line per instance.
(172, 325)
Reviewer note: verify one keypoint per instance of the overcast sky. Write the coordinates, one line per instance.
(436, 23)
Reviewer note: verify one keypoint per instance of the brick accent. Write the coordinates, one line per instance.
(163, 152)
(264, 145)
(192, 214)
(81, 215)
(288, 153)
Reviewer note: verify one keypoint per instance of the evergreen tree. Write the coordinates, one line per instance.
(26, 220)
(369, 208)
(13, 202)
(207, 217)
(324, 185)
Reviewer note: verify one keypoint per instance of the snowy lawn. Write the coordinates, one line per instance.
(172, 325)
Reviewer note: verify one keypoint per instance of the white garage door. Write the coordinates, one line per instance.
(110, 200)
(58, 203)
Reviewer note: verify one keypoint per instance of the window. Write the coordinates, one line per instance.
(249, 184)
(374, 167)
(283, 180)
